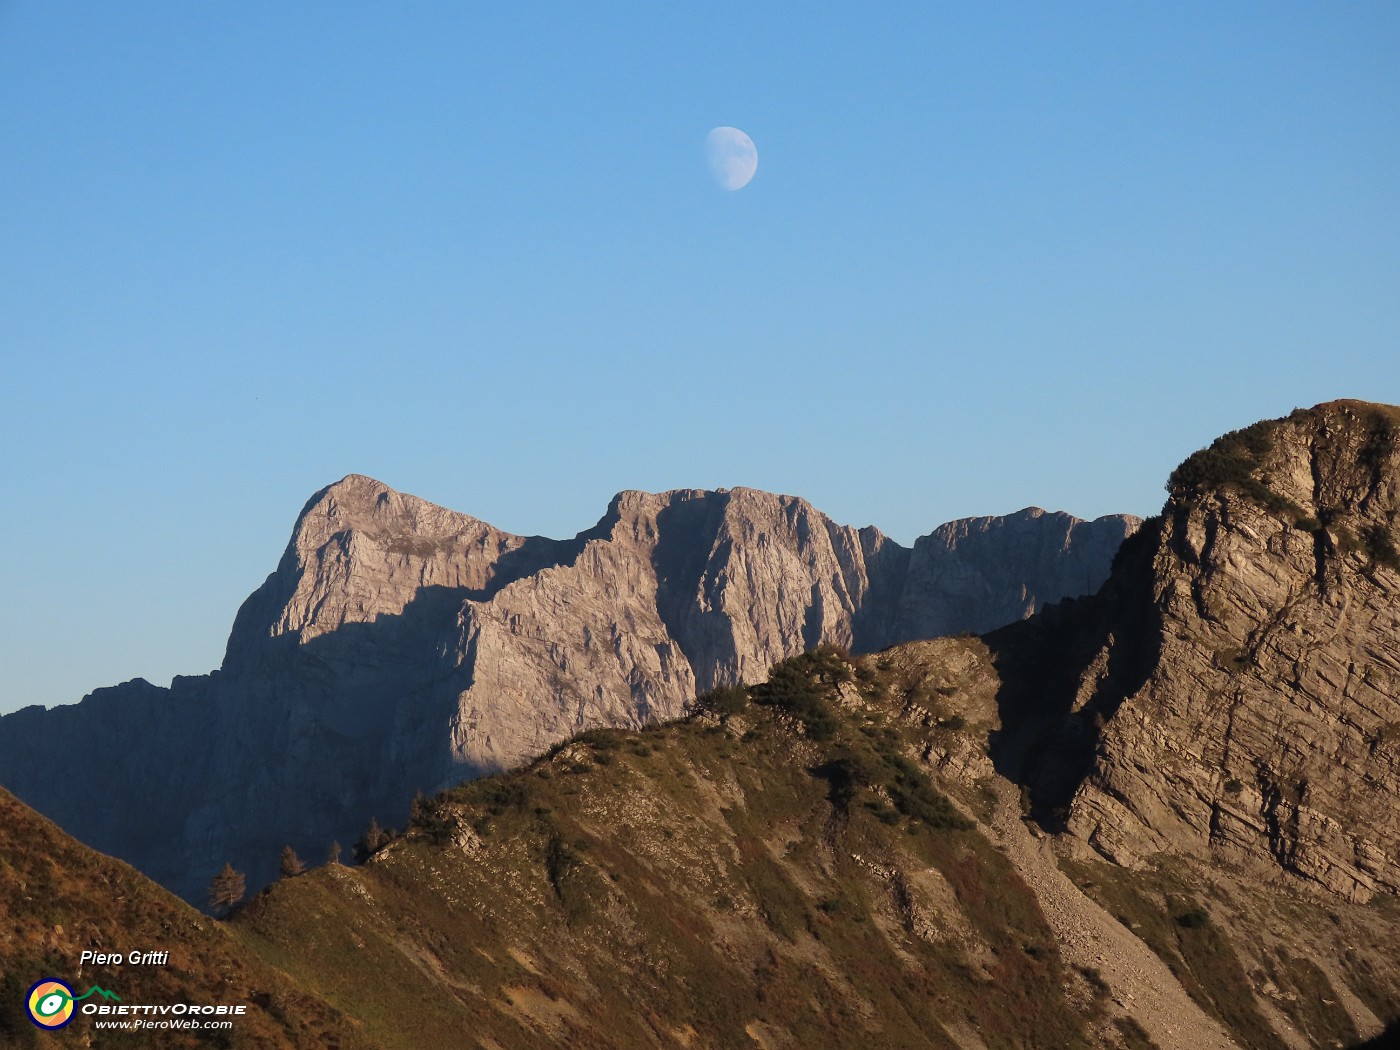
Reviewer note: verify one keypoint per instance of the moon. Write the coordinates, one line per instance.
(732, 156)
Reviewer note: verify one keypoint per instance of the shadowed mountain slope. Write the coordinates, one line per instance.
(59, 898)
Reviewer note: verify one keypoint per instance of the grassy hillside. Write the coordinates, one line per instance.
(807, 863)
(775, 872)
(820, 861)
(58, 897)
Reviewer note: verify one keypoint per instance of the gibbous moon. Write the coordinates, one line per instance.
(732, 156)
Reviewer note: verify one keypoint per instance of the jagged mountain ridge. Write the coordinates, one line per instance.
(400, 646)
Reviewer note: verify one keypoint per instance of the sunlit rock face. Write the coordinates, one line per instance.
(400, 646)
(1261, 715)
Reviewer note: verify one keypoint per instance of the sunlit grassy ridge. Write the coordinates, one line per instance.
(777, 870)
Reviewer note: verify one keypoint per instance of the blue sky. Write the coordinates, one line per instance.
(994, 255)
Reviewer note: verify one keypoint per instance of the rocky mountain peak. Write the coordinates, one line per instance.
(1249, 687)
(990, 564)
(373, 510)
(360, 550)
(1337, 460)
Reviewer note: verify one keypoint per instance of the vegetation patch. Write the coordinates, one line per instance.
(1193, 918)
(1233, 461)
(1234, 659)
(1309, 999)
(1380, 547)
(725, 701)
(1134, 1036)
(799, 687)
(1159, 908)
(915, 797)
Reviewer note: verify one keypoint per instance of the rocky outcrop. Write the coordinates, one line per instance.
(400, 646)
(1252, 711)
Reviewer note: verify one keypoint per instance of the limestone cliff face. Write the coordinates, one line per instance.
(400, 646)
(980, 573)
(1262, 719)
(669, 595)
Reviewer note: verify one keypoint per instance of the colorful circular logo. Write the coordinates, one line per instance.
(50, 1004)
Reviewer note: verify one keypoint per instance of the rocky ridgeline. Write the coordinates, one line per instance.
(1246, 698)
(400, 646)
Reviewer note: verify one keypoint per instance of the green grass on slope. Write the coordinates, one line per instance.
(1225, 972)
(58, 898)
(775, 872)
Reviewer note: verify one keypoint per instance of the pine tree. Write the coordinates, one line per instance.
(291, 865)
(226, 890)
(429, 816)
(333, 854)
(373, 840)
